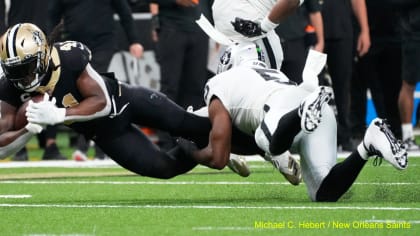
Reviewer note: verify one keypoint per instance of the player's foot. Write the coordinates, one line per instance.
(52, 153)
(21, 155)
(411, 145)
(239, 165)
(310, 109)
(380, 141)
(79, 156)
(288, 166)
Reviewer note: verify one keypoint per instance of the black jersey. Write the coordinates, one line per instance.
(68, 60)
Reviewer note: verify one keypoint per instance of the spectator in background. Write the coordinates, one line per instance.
(337, 19)
(182, 51)
(2, 16)
(35, 12)
(292, 33)
(379, 70)
(410, 22)
(91, 22)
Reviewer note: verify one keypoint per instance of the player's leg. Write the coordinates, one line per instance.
(134, 151)
(378, 140)
(318, 152)
(155, 110)
(306, 117)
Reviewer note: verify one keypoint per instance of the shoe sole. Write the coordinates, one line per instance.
(296, 175)
(240, 167)
(311, 114)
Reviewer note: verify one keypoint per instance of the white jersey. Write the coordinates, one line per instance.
(244, 92)
(225, 11)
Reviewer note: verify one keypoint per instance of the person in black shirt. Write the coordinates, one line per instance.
(182, 53)
(338, 30)
(293, 38)
(379, 70)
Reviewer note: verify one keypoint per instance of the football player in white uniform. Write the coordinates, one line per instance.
(254, 20)
(282, 116)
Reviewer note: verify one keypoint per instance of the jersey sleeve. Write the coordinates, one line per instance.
(214, 88)
(9, 94)
(75, 54)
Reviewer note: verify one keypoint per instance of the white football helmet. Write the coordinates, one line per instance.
(244, 54)
(24, 55)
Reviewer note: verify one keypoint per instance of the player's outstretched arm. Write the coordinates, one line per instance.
(216, 154)
(11, 140)
(96, 103)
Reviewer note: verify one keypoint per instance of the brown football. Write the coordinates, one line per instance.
(20, 118)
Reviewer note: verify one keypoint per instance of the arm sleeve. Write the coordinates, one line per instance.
(15, 146)
(126, 19)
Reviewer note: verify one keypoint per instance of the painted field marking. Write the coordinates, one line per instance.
(182, 182)
(358, 208)
(16, 196)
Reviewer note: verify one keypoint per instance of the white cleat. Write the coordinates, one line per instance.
(288, 166)
(79, 156)
(239, 165)
(380, 141)
(411, 145)
(310, 109)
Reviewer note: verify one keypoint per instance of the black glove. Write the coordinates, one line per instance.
(247, 28)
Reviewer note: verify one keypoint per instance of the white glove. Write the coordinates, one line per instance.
(34, 128)
(45, 112)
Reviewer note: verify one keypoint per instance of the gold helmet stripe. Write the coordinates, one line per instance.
(11, 40)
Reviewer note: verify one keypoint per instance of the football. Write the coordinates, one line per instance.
(20, 118)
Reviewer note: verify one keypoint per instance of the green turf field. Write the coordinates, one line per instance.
(111, 201)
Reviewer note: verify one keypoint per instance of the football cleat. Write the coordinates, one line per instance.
(411, 145)
(380, 141)
(288, 166)
(310, 109)
(79, 156)
(239, 165)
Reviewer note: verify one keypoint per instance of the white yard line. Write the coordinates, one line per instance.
(16, 196)
(351, 208)
(181, 182)
(110, 163)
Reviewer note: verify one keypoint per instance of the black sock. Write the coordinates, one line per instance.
(340, 178)
(287, 128)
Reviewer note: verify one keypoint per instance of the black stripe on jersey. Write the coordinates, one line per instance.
(265, 130)
(270, 53)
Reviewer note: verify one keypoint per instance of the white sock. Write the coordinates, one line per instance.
(407, 131)
(362, 151)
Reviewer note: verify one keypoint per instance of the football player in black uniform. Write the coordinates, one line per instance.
(97, 106)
